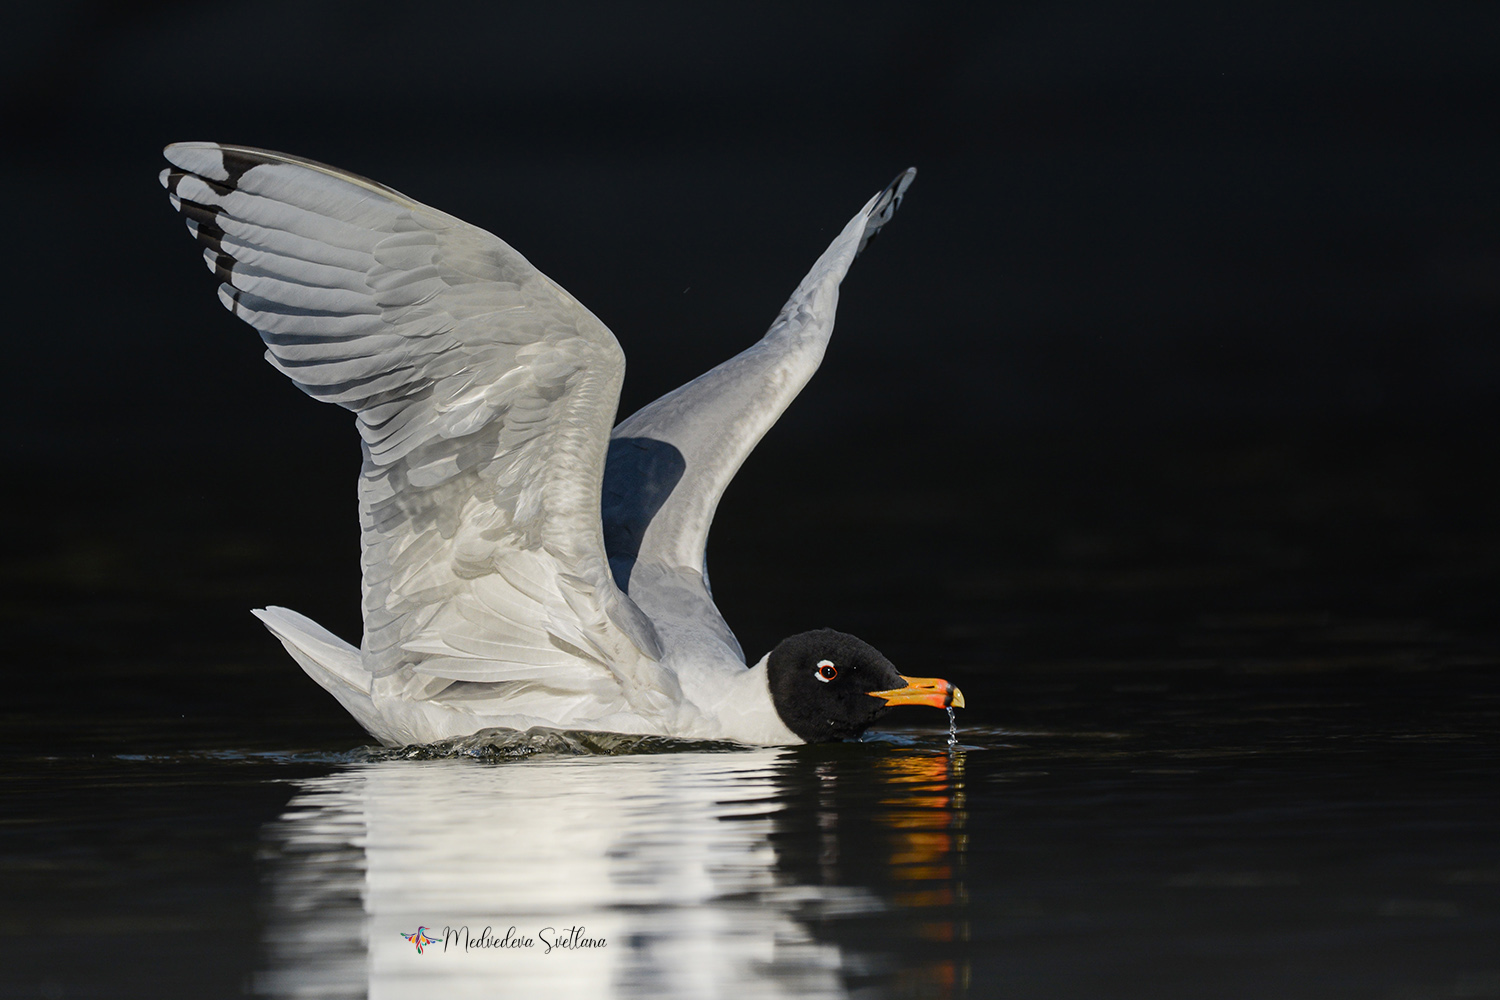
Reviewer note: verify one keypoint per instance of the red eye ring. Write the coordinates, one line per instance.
(826, 671)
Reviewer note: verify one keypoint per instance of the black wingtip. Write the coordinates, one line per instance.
(885, 205)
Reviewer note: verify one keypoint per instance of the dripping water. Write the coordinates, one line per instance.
(952, 728)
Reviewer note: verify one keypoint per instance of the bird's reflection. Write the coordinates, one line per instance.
(656, 875)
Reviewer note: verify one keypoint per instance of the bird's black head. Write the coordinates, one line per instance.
(829, 685)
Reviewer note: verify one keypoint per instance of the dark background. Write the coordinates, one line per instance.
(1162, 419)
(1182, 350)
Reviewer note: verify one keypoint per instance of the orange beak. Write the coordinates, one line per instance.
(922, 691)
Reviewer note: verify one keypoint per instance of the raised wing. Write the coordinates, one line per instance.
(483, 395)
(670, 462)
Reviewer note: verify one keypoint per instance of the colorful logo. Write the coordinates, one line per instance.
(420, 938)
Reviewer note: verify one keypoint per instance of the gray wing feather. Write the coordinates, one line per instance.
(670, 462)
(483, 395)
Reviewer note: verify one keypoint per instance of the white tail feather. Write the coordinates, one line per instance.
(327, 659)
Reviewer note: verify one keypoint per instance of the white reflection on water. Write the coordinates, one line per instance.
(666, 857)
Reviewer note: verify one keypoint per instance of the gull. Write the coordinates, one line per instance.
(524, 565)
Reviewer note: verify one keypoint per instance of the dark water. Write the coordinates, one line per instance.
(1247, 852)
(1233, 733)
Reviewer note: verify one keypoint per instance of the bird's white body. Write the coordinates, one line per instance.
(721, 699)
(524, 564)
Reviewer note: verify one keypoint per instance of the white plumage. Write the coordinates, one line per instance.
(494, 592)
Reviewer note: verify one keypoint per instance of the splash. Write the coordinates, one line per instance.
(510, 744)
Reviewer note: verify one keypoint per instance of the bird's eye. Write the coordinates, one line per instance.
(826, 671)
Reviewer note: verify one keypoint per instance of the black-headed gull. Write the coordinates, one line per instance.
(523, 564)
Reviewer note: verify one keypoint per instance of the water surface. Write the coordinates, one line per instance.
(1269, 860)
(1228, 736)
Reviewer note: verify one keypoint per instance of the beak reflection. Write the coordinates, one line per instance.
(932, 691)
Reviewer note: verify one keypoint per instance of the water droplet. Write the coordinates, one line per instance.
(952, 728)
